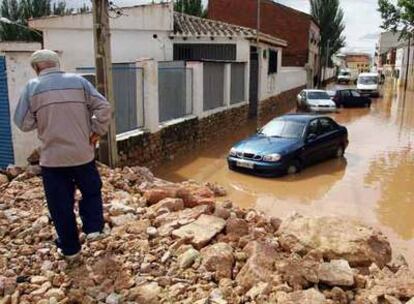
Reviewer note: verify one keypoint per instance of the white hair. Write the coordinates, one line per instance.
(44, 56)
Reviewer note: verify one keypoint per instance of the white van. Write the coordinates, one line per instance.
(368, 84)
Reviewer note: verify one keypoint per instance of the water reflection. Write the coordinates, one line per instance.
(310, 185)
(393, 174)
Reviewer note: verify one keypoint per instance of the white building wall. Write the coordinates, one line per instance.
(403, 70)
(285, 79)
(127, 46)
(290, 78)
(328, 73)
(19, 73)
(142, 31)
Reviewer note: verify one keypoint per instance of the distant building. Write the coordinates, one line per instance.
(357, 63)
(401, 63)
(386, 54)
(385, 50)
(299, 29)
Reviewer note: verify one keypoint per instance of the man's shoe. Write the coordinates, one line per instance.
(73, 258)
(95, 236)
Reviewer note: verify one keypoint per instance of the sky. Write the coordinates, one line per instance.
(362, 19)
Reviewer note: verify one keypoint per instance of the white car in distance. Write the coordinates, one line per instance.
(368, 84)
(315, 101)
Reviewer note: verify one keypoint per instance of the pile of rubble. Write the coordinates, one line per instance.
(182, 243)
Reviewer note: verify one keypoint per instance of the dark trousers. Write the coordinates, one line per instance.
(60, 185)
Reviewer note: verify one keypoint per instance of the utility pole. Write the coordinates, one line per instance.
(327, 58)
(108, 152)
(408, 63)
(258, 23)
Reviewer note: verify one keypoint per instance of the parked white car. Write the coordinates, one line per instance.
(368, 84)
(315, 101)
(344, 77)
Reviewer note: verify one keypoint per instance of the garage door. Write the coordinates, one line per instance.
(6, 146)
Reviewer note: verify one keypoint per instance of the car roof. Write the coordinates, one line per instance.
(314, 90)
(301, 117)
(347, 89)
(368, 74)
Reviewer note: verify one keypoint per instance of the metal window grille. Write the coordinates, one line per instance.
(237, 90)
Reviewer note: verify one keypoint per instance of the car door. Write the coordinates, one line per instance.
(328, 137)
(346, 98)
(357, 99)
(311, 150)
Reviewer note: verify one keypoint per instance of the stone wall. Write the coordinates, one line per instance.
(220, 124)
(278, 105)
(151, 150)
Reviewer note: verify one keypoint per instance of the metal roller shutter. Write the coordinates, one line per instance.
(6, 145)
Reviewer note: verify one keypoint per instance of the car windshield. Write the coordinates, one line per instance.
(318, 95)
(283, 128)
(344, 74)
(368, 80)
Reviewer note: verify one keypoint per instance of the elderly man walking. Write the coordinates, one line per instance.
(69, 115)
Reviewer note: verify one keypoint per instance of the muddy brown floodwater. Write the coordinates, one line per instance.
(373, 183)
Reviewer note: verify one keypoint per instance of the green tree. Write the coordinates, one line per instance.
(11, 10)
(399, 17)
(190, 7)
(60, 8)
(84, 9)
(20, 12)
(330, 17)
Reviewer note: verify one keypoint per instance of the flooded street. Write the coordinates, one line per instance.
(374, 183)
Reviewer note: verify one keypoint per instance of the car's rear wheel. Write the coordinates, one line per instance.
(340, 151)
(293, 168)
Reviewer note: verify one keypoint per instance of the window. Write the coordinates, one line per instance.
(283, 128)
(318, 95)
(345, 93)
(199, 51)
(368, 80)
(272, 62)
(355, 94)
(313, 127)
(326, 125)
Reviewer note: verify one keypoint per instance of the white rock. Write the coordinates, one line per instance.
(335, 238)
(122, 219)
(113, 298)
(187, 259)
(152, 232)
(38, 280)
(202, 230)
(40, 223)
(336, 273)
(3, 179)
(118, 208)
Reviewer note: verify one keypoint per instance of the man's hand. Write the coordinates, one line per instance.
(94, 139)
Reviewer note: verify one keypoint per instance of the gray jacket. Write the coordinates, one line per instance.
(65, 109)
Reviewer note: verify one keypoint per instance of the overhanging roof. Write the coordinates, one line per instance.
(191, 26)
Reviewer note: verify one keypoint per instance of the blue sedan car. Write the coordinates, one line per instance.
(289, 143)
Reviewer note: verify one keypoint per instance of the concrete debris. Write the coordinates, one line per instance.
(336, 273)
(175, 243)
(336, 239)
(188, 258)
(201, 231)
